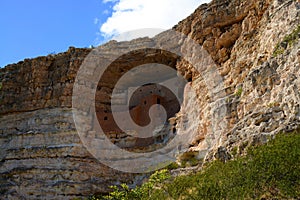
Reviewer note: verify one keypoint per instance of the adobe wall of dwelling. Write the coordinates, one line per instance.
(138, 107)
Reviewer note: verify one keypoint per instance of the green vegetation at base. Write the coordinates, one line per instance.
(173, 165)
(142, 192)
(268, 171)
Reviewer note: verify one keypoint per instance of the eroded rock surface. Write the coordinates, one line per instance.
(261, 85)
(41, 153)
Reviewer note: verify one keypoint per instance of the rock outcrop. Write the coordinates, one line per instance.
(41, 153)
(260, 81)
(255, 47)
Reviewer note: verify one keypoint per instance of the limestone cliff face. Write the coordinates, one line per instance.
(41, 153)
(44, 82)
(255, 45)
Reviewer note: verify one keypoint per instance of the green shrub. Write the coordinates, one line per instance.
(234, 151)
(239, 92)
(278, 50)
(143, 192)
(173, 165)
(289, 39)
(268, 171)
(271, 170)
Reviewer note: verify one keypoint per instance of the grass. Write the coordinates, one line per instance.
(289, 39)
(270, 171)
(239, 92)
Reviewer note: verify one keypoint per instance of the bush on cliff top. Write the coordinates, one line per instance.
(268, 171)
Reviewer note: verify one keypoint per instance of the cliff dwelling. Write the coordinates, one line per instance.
(139, 106)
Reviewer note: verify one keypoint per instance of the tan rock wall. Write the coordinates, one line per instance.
(41, 155)
(262, 90)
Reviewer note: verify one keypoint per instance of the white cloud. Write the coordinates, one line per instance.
(96, 21)
(130, 15)
(129, 35)
(105, 12)
(106, 1)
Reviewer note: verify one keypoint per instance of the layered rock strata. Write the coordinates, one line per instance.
(255, 47)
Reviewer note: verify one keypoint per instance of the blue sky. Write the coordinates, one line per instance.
(31, 28)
